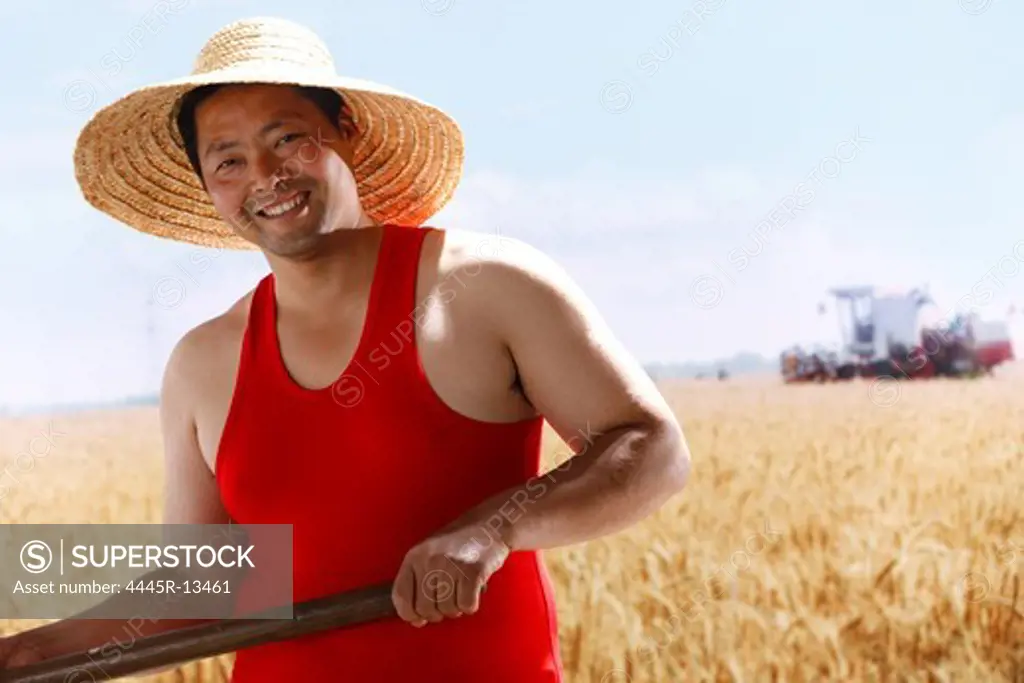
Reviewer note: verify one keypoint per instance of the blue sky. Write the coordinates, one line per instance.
(640, 144)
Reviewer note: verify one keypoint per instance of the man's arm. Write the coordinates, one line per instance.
(630, 454)
(190, 497)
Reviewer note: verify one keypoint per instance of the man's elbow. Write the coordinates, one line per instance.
(658, 461)
(672, 459)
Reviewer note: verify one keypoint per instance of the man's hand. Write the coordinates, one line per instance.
(443, 576)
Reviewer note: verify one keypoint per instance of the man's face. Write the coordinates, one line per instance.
(275, 167)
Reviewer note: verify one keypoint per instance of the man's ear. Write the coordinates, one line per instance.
(347, 124)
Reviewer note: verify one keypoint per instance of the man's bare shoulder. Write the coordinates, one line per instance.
(491, 266)
(206, 347)
(570, 365)
(471, 253)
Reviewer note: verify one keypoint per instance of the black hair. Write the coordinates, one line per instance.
(330, 102)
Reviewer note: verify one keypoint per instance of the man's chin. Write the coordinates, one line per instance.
(289, 243)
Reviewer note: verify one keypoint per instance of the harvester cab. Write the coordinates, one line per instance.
(874, 325)
(881, 335)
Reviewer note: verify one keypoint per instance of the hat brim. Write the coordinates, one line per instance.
(131, 164)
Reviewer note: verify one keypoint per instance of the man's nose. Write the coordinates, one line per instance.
(267, 173)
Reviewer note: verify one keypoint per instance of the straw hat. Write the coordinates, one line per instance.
(131, 164)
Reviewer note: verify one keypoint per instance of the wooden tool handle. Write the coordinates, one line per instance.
(211, 639)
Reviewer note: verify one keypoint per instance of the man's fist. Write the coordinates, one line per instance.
(443, 576)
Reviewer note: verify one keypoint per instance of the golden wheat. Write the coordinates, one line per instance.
(850, 532)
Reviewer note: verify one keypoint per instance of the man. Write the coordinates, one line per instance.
(384, 389)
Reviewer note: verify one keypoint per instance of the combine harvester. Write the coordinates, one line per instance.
(882, 337)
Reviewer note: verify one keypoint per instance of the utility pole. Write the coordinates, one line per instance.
(153, 368)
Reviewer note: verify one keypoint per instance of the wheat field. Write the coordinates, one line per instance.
(852, 532)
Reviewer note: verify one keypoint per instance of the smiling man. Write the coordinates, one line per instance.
(384, 388)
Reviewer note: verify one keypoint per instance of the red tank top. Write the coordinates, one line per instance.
(365, 469)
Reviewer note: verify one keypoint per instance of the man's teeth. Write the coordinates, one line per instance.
(279, 209)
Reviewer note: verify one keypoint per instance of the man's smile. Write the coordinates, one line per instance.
(286, 206)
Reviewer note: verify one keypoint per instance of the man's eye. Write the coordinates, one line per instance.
(225, 163)
(289, 138)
